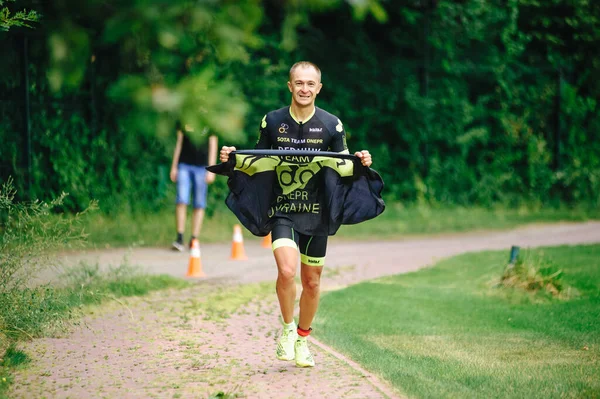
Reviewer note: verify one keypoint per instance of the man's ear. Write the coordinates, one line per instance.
(290, 86)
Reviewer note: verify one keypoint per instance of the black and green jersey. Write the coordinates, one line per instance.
(312, 192)
(322, 131)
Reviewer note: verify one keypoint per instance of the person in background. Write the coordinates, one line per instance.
(192, 179)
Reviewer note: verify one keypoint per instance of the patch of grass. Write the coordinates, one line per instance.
(224, 395)
(445, 331)
(400, 221)
(229, 300)
(14, 357)
(154, 229)
(122, 281)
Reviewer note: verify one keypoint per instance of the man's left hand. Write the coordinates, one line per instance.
(365, 157)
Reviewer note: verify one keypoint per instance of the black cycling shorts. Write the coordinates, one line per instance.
(312, 248)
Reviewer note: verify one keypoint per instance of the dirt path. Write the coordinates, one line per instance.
(177, 344)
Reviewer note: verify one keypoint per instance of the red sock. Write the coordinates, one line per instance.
(304, 333)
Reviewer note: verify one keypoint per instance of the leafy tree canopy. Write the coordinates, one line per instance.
(9, 19)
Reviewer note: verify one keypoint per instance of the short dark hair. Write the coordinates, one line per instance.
(304, 64)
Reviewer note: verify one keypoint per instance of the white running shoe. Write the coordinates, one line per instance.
(285, 345)
(303, 356)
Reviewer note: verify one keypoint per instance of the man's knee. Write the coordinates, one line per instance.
(287, 272)
(311, 281)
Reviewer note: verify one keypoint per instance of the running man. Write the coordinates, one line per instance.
(300, 126)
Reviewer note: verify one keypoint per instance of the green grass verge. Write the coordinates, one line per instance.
(450, 331)
(152, 229)
(398, 221)
(27, 313)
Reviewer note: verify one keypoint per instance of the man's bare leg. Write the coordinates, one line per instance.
(309, 299)
(180, 213)
(287, 261)
(309, 302)
(197, 218)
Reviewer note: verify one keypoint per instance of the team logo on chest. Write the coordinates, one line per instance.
(283, 128)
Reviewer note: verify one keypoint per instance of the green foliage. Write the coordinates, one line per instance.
(461, 103)
(19, 18)
(14, 357)
(173, 63)
(33, 312)
(69, 49)
(31, 235)
(534, 273)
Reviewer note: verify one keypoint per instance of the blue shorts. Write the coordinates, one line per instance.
(190, 180)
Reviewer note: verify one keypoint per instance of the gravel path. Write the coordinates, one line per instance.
(177, 344)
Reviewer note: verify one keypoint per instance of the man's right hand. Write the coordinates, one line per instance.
(224, 153)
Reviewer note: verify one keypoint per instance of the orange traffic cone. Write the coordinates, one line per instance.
(195, 265)
(266, 242)
(237, 247)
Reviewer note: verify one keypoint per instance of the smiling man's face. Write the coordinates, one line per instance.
(305, 84)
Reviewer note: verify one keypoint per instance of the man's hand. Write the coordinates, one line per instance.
(209, 177)
(173, 175)
(365, 157)
(224, 153)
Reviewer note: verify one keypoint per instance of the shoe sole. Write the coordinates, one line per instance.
(304, 365)
(287, 359)
(176, 248)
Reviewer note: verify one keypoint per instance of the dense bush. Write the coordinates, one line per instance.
(461, 102)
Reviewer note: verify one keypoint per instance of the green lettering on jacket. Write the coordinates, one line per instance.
(293, 172)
